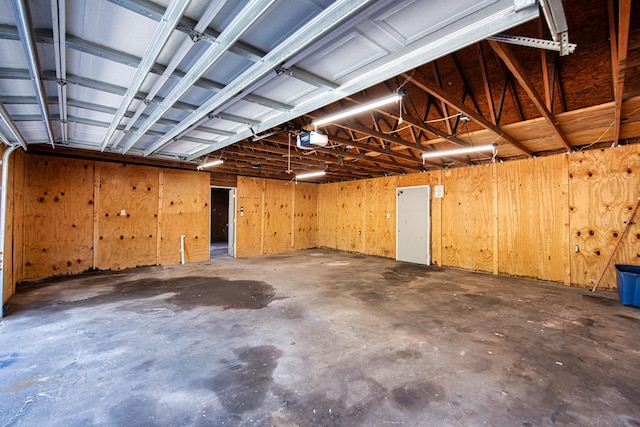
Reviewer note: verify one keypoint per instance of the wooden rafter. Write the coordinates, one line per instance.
(467, 111)
(518, 72)
(547, 83)
(487, 83)
(624, 18)
(445, 109)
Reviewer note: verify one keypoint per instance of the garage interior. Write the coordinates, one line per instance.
(167, 262)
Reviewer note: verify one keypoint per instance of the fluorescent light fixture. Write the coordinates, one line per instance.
(210, 164)
(457, 151)
(310, 175)
(357, 110)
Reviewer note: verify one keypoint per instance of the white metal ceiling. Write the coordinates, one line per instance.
(180, 79)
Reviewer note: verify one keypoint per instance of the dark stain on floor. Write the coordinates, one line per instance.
(415, 397)
(199, 291)
(242, 383)
(188, 292)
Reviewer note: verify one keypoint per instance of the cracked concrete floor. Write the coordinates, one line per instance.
(316, 338)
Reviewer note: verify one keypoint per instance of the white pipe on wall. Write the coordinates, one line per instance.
(3, 217)
(182, 249)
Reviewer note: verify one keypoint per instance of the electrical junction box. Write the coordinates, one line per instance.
(311, 140)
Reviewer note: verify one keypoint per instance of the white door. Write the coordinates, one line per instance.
(413, 224)
(231, 226)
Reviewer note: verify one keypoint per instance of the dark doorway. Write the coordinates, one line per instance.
(219, 221)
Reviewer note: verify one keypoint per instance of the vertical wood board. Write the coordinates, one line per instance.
(184, 210)
(532, 227)
(249, 216)
(327, 215)
(127, 240)
(380, 211)
(467, 218)
(305, 223)
(603, 187)
(58, 216)
(278, 216)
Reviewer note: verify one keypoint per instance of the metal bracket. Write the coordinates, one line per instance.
(537, 43)
(553, 12)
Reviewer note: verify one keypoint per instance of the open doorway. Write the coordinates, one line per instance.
(222, 242)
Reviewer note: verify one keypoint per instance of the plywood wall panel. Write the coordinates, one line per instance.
(603, 187)
(380, 217)
(468, 218)
(184, 211)
(350, 216)
(12, 263)
(249, 216)
(58, 216)
(327, 215)
(278, 216)
(305, 221)
(128, 240)
(533, 218)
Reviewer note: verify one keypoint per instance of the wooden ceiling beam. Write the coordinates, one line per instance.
(487, 83)
(518, 72)
(328, 152)
(624, 18)
(464, 109)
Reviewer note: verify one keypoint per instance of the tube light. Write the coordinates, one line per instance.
(210, 164)
(357, 110)
(457, 151)
(310, 175)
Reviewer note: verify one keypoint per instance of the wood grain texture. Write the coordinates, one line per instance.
(603, 187)
(249, 214)
(58, 216)
(380, 217)
(532, 218)
(305, 220)
(327, 218)
(350, 216)
(12, 267)
(278, 216)
(467, 212)
(184, 210)
(127, 240)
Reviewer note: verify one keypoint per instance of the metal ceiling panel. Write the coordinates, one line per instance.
(258, 64)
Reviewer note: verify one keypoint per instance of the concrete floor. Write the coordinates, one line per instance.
(316, 338)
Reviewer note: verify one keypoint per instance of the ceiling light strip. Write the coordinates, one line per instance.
(357, 110)
(459, 151)
(210, 164)
(310, 175)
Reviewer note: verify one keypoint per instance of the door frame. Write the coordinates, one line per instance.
(428, 220)
(231, 231)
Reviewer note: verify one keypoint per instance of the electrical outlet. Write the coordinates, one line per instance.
(576, 248)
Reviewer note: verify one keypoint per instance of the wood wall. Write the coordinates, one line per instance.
(275, 216)
(521, 218)
(69, 216)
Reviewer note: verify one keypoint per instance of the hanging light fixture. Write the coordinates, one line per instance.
(458, 151)
(210, 164)
(357, 110)
(310, 175)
